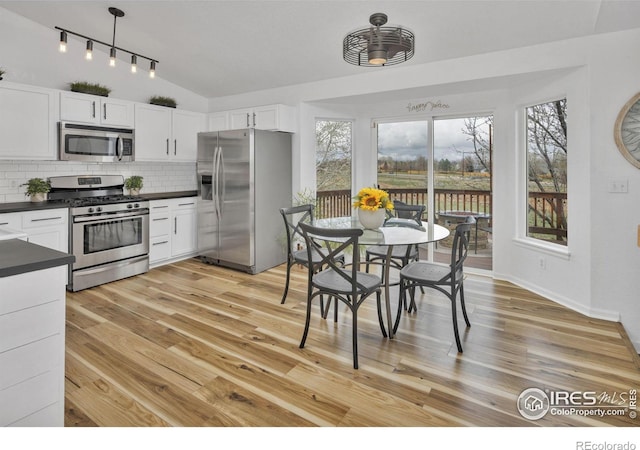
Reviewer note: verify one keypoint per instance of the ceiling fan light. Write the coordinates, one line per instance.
(377, 56)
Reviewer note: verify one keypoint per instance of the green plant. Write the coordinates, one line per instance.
(37, 186)
(90, 88)
(133, 182)
(163, 101)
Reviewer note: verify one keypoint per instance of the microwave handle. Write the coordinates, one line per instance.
(119, 148)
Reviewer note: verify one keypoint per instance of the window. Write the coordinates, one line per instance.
(547, 171)
(333, 168)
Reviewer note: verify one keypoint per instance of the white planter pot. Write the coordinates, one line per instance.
(371, 220)
(39, 197)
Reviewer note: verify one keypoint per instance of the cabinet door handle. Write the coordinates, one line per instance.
(175, 225)
(186, 204)
(93, 114)
(4, 223)
(45, 218)
(160, 218)
(160, 243)
(175, 147)
(104, 107)
(167, 146)
(161, 206)
(248, 120)
(254, 119)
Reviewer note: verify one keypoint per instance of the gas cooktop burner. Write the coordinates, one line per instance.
(102, 200)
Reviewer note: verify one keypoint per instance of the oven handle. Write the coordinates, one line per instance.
(108, 217)
(119, 145)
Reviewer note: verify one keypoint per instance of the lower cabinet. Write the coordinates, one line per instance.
(32, 348)
(47, 227)
(172, 230)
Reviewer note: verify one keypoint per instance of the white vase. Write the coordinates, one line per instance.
(371, 220)
(38, 197)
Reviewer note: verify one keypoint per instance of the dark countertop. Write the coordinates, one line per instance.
(18, 256)
(36, 206)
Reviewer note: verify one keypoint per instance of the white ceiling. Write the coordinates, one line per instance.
(217, 48)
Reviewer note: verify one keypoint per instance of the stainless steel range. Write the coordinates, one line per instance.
(108, 231)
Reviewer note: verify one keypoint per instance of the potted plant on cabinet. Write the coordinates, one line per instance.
(37, 189)
(133, 184)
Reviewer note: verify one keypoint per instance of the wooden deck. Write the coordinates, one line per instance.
(193, 345)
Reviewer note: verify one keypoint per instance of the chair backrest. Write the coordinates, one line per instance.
(404, 211)
(292, 218)
(337, 242)
(460, 247)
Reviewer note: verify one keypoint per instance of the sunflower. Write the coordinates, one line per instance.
(372, 199)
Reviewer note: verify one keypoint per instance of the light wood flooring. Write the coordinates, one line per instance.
(191, 344)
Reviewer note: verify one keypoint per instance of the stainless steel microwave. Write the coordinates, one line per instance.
(92, 143)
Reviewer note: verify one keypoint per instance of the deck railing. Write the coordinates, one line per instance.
(547, 211)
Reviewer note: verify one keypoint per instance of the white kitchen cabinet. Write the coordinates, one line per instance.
(28, 120)
(47, 227)
(219, 121)
(172, 230)
(92, 109)
(32, 321)
(164, 134)
(269, 117)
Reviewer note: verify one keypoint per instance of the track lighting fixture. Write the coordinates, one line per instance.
(112, 46)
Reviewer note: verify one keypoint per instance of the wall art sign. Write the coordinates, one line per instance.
(626, 131)
(426, 106)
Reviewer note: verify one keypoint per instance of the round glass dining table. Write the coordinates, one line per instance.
(394, 232)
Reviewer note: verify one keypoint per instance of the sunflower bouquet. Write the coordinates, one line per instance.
(372, 199)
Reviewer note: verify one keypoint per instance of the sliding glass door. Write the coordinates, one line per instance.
(444, 164)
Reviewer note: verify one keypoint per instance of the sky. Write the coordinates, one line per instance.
(408, 140)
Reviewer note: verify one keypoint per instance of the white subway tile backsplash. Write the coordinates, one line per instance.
(158, 176)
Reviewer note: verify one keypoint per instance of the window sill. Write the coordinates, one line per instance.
(556, 250)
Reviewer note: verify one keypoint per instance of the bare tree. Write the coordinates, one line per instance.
(478, 129)
(333, 155)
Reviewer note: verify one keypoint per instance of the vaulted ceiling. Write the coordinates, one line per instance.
(217, 48)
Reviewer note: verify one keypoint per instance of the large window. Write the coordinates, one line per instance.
(333, 168)
(547, 171)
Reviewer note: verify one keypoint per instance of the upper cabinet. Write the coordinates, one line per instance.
(91, 109)
(164, 134)
(28, 117)
(270, 117)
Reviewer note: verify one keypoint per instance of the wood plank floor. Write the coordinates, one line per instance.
(191, 344)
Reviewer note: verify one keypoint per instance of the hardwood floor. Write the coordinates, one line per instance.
(191, 344)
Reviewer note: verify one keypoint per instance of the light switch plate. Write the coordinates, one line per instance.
(619, 186)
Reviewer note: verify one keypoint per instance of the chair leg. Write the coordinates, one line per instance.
(402, 300)
(380, 319)
(286, 286)
(464, 308)
(307, 321)
(412, 304)
(354, 313)
(454, 315)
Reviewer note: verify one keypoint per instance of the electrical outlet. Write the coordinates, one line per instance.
(542, 263)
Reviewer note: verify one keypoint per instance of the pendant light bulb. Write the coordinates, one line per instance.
(112, 58)
(152, 70)
(63, 42)
(134, 64)
(89, 54)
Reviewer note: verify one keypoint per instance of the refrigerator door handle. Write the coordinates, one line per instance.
(216, 174)
(223, 182)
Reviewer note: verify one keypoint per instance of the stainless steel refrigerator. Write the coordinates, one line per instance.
(244, 178)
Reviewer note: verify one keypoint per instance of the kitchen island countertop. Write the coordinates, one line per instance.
(18, 256)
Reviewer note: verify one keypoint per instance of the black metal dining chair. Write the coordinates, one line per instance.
(345, 284)
(447, 279)
(401, 255)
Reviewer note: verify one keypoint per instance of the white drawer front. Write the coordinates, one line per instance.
(34, 394)
(159, 248)
(27, 361)
(29, 325)
(44, 218)
(159, 224)
(14, 297)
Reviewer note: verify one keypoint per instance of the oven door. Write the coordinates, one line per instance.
(108, 238)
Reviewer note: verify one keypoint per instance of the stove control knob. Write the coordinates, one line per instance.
(99, 208)
(129, 206)
(90, 210)
(137, 205)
